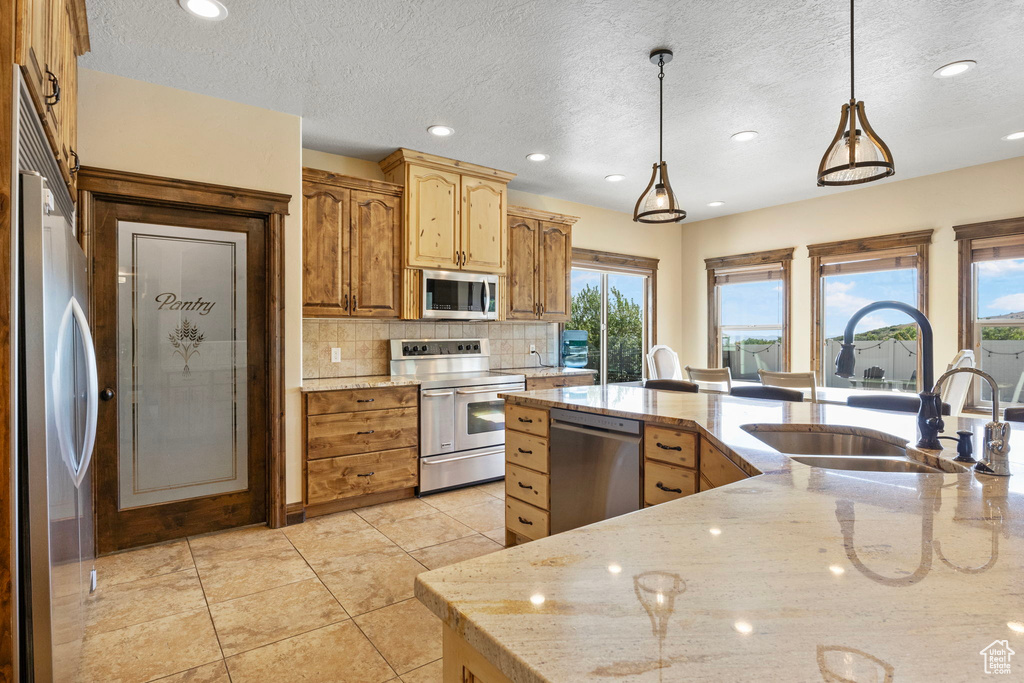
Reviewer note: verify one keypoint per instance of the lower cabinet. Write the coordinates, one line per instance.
(715, 468)
(361, 447)
(527, 497)
(574, 380)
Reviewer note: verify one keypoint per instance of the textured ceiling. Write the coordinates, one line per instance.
(571, 78)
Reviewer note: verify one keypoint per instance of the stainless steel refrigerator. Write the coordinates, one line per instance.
(56, 417)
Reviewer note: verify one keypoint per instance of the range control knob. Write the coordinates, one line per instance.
(405, 349)
(476, 347)
(460, 347)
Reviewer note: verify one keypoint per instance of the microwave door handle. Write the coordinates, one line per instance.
(486, 294)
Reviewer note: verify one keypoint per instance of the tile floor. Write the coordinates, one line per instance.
(327, 600)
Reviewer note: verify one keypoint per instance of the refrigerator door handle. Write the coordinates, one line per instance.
(79, 466)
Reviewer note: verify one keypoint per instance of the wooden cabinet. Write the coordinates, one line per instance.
(581, 379)
(455, 212)
(351, 246)
(716, 469)
(51, 35)
(361, 447)
(527, 498)
(540, 264)
(671, 458)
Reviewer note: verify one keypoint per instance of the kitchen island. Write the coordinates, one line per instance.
(798, 573)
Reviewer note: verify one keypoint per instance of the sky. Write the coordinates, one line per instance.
(632, 286)
(1000, 287)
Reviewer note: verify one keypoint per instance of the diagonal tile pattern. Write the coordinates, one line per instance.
(327, 600)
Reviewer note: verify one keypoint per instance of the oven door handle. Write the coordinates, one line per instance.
(428, 461)
(437, 394)
(492, 390)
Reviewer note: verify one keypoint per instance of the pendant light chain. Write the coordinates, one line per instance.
(661, 109)
(852, 98)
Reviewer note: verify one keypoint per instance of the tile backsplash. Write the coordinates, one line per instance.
(364, 344)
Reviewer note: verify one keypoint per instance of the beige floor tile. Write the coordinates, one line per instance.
(143, 563)
(455, 551)
(339, 653)
(497, 535)
(431, 673)
(373, 580)
(216, 672)
(428, 530)
(396, 511)
(407, 634)
(215, 547)
(246, 571)
(330, 553)
(495, 488)
(450, 500)
(263, 618)
(317, 528)
(114, 607)
(481, 517)
(151, 650)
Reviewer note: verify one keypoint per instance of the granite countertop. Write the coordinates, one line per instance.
(545, 372)
(799, 574)
(365, 382)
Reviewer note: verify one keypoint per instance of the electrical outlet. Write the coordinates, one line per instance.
(533, 348)
(335, 355)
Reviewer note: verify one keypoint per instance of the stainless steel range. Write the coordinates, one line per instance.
(462, 420)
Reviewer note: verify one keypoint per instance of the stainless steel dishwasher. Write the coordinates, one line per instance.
(594, 468)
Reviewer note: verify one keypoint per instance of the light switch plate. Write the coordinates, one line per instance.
(335, 354)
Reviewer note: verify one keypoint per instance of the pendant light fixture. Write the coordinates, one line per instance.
(856, 155)
(658, 203)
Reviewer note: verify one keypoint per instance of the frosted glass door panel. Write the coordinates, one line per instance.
(182, 359)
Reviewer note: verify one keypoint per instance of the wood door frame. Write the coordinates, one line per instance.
(783, 257)
(919, 240)
(96, 184)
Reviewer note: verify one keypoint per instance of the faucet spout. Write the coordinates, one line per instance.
(846, 362)
(996, 457)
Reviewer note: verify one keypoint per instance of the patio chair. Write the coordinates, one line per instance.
(711, 379)
(791, 380)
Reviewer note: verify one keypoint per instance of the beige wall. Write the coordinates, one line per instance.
(938, 202)
(597, 229)
(130, 125)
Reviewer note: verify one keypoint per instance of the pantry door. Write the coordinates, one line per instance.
(182, 339)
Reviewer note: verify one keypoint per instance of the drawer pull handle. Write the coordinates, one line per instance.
(524, 452)
(528, 420)
(368, 474)
(525, 521)
(524, 486)
(669, 448)
(665, 488)
(364, 400)
(366, 432)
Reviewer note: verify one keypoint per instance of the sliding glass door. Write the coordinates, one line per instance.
(613, 309)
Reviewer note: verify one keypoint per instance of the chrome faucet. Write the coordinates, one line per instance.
(929, 417)
(995, 459)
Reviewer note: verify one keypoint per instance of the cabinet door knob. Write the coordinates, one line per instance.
(107, 394)
(364, 400)
(346, 302)
(366, 432)
(354, 303)
(54, 96)
(665, 488)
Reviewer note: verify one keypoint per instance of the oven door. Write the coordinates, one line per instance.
(459, 296)
(437, 421)
(480, 415)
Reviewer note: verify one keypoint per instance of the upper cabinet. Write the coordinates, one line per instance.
(351, 246)
(454, 212)
(51, 35)
(540, 263)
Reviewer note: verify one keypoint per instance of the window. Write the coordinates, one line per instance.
(748, 312)
(613, 301)
(992, 306)
(852, 274)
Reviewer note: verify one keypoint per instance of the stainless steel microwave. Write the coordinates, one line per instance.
(455, 295)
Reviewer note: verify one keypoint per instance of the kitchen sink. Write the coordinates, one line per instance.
(825, 443)
(866, 464)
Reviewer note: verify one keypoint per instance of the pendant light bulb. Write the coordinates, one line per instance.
(856, 155)
(658, 203)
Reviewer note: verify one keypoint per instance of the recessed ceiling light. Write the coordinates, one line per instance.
(1019, 135)
(615, 177)
(744, 135)
(537, 156)
(205, 9)
(441, 131)
(955, 68)
(716, 203)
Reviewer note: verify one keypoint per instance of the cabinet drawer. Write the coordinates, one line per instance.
(527, 485)
(670, 445)
(663, 483)
(526, 450)
(365, 432)
(525, 520)
(357, 400)
(717, 468)
(331, 479)
(530, 420)
(538, 383)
